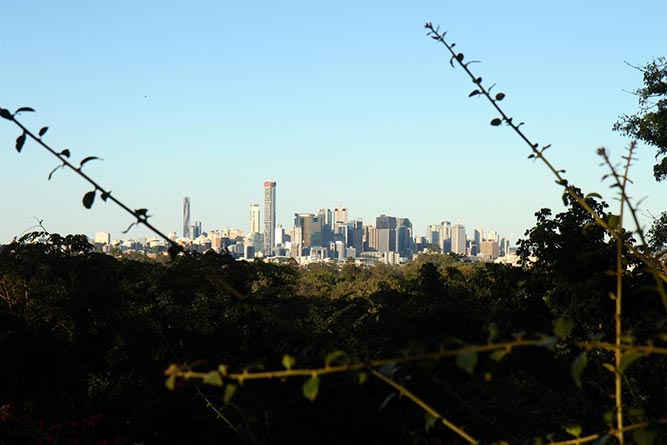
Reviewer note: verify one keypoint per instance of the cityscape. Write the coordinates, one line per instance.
(325, 235)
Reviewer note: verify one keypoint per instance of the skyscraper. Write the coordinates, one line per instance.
(269, 216)
(254, 218)
(186, 217)
(459, 239)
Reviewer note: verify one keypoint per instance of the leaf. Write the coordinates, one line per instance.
(498, 354)
(643, 436)
(459, 57)
(429, 421)
(288, 361)
(594, 195)
(22, 109)
(566, 201)
(129, 227)
(213, 378)
(473, 93)
(88, 199)
(467, 361)
(170, 383)
(548, 341)
(578, 367)
(88, 159)
(628, 358)
(311, 387)
(609, 367)
(54, 170)
(139, 213)
(336, 356)
(229, 393)
(105, 195)
(65, 153)
(362, 377)
(19, 142)
(386, 400)
(500, 96)
(493, 332)
(574, 430)
(43, 131)
(612, 221)
(496, 121)
(563, 327)
(6, 114)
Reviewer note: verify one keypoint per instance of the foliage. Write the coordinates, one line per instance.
(649, 124)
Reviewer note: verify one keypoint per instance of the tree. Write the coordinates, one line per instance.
(649, 124)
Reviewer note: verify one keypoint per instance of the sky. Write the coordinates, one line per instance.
(343, 103)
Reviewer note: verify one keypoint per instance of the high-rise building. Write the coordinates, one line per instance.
(478, 235)
(446, 236)
(404, 241)
(269, 216)
(196, 230)
(458, 239)
(254, 218)
(103, 238)
(186, 217)
(340, 215)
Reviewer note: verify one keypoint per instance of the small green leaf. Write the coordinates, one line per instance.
(612, 221)
(19, 142)
(628, 358)
(43, 131)
(496, 121)
(229, 393)
(213, 378)
(65, 153)
(22, 109)
(643, 436)
(493, 332)
(311, 387)
(563, 327)
(6, 114)
(467, 361)
(88, 159)
(288, 361)
(608, 417)
(609, 367)
(500, 96)
(578, 367)
(594, 195)
(498, 354)
(573, 430)
(170, 383)
(88, 199)
(362, 377)
(339, 357)
(565, 199)
(429, 421)
(473, 93)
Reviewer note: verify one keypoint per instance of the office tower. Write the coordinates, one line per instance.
(196, 230)
(186, 217)
(386, 233)
(370, 239)
(254, 218)
(385, 222)
(458, 239)
(493, 236)
(280, 235)
(433, 232)
(478, 235)
(404, 242)
(355, 235)
(269, 216)
(489, 249)
(446, 236)
(326, 216)
(103, 238)
(340, 215)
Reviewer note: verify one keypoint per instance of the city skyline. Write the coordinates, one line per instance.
(332, 106)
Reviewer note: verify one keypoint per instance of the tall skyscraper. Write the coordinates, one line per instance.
(459, 239)
(269, 216)
(340, 215)
(186, 217)
(254, 218)
(479, 237)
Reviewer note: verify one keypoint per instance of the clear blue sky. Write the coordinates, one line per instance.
(342, 102)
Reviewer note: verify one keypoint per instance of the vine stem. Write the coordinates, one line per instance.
(107, 194)
(423, 405)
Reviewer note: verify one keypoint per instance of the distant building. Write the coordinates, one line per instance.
(186, 217)
(103, 238)
(340, 215)
(458, 239)
(255, 223)
(269, 216)
(489, 250)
